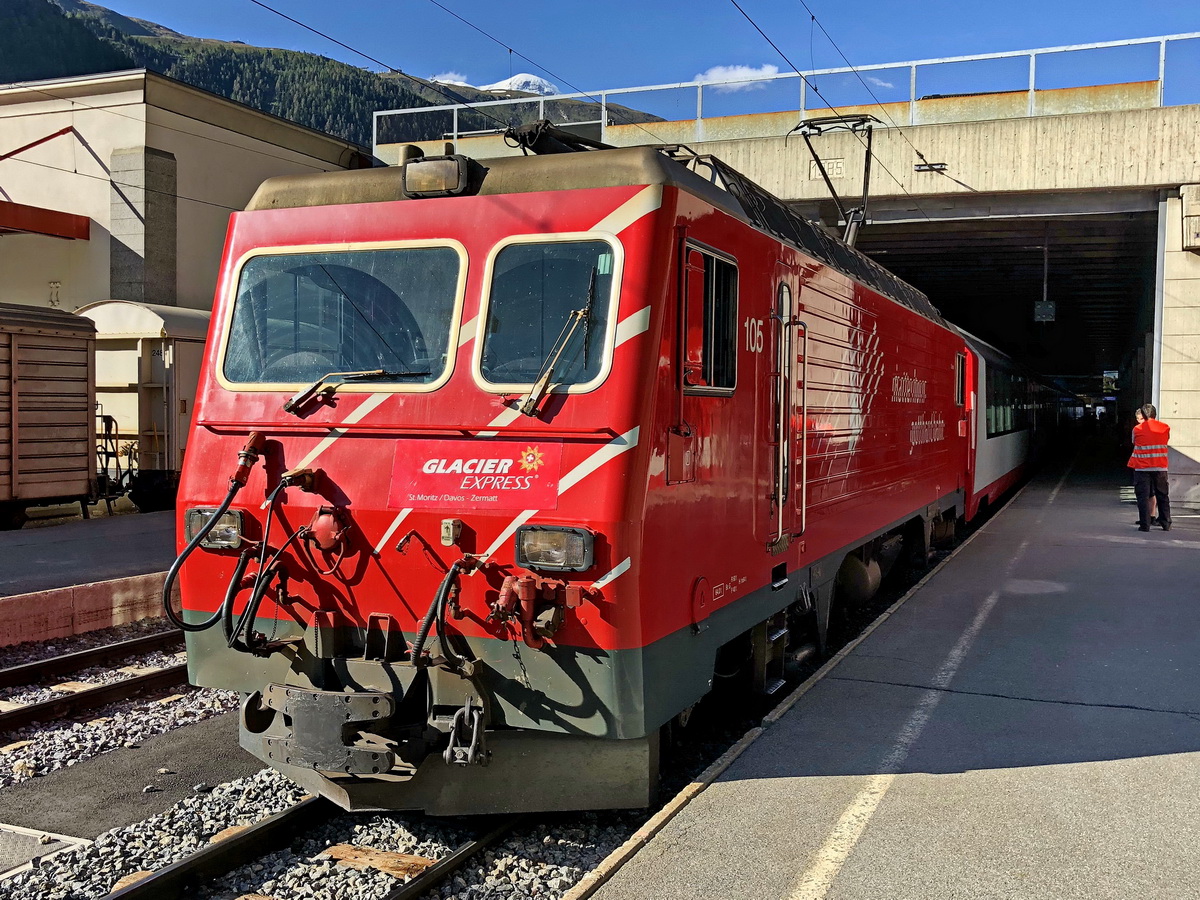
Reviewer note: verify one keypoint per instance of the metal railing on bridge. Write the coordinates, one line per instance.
(1018, 82)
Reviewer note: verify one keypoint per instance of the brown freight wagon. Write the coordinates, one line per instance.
(47, 403)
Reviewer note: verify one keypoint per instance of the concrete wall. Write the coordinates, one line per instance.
(219, 169)
(1084, 151)
(156, 165)
(142, 223)
(773, 125)
(69, 173)
(1179, 391)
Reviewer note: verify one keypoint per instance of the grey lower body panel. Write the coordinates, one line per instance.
(567, 728)
(529, 771)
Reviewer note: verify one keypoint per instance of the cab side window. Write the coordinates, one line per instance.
(710, 333)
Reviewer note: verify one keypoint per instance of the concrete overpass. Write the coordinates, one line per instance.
(1086, 197)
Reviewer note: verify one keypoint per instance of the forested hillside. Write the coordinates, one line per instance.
(38, 41)
(56, 38)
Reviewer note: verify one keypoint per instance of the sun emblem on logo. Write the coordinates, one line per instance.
(531, 459)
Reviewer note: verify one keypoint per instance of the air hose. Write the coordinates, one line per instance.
(247, 457)
(267, 572)
(169, 583)
(231, 592)
(439, 600)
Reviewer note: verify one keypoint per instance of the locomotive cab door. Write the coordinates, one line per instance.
(706, 357)
(789, 418)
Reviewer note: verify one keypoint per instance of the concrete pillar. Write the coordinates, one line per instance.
(1179, 376)
(142, 259)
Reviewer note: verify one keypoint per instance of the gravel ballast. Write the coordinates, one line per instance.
(56, 745)
(90, 872)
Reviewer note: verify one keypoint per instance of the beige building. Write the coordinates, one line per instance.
(120, 186)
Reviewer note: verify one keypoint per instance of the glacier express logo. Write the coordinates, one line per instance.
(475, 474)
(531, 459)
(476, 466)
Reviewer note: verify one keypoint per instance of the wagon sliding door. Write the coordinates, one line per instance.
(47, 421)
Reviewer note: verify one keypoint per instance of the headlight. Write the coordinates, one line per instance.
(555, 547)
(434, 176)
(226, 531)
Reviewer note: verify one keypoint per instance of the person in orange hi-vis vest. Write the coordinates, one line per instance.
(1149, 464)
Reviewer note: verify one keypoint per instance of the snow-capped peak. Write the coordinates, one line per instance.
(525, 83)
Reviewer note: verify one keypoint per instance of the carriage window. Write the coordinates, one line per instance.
(1007, 402)
(299, 316)
(710, 335)
(549, 311)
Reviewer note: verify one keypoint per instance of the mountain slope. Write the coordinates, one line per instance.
(37, 41)
(55, 38)
(523, 83)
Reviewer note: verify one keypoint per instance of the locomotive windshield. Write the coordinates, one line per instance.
(538, 289)
(300, 316)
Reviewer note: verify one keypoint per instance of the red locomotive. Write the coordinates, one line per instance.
(524, 445)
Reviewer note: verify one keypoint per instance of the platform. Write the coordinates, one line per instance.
(85, 550)
(1025, 725)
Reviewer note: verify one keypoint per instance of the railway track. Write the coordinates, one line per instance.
(78, 698)
(225, 853)
(28, 673)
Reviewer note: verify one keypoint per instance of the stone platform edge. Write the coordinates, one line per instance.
(66, 611)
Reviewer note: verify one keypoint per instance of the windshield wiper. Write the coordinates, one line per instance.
(528, 405)
(294, 404)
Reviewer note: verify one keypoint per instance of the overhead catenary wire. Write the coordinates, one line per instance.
(878, 102)
(815, 90)
(420, 81)
(537, 65)
(458, 101)
(27, 86)
(430, 85)
(112, 181)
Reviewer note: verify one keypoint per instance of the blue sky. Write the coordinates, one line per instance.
(621, 43)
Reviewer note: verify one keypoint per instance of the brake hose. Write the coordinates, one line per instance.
(439, 624)
(231, 592)
(261, 582)
(169, 583)
(262, 579)
(439, 598)
(247, 457)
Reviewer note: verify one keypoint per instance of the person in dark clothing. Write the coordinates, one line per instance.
(1149, 464)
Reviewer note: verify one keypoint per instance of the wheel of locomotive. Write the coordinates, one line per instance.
(12, 516)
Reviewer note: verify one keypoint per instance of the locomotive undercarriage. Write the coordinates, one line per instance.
(359, 749)
(526, 731)
(341, 710)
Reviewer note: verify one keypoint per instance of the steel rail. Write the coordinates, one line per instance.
(273, 833)
(91, 698)
(448, 865)
(32, 673)
(181, 879)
